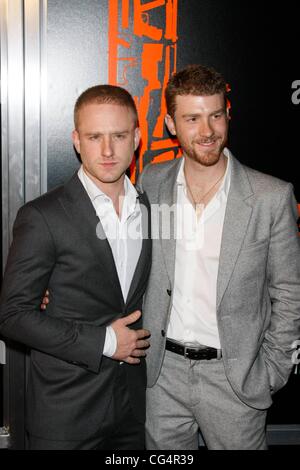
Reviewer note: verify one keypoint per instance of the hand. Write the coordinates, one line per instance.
(130, 343)
(45, 301)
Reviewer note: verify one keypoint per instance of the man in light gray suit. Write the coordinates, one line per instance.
(223, 302)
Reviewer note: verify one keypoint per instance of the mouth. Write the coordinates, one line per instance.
(108, 164)
(207, 144)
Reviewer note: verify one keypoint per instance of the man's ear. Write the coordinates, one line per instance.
(76, 140)
(170, 124)
(137, 137)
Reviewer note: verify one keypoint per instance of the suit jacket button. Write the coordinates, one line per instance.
(163, 333)
(169, 292)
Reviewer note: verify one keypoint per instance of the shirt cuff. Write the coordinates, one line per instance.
(110, 344)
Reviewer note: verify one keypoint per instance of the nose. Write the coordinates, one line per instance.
(106, 147)
(206, 129)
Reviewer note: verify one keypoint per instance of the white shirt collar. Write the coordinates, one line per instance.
(131, 195)
(94, 192)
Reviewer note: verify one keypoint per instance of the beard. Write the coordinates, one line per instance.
(204, 157)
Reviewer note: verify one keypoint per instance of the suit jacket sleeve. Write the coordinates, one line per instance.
(31, 260)
(284, 290)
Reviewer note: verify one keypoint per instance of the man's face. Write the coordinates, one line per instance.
(201, 126)
(106, 138)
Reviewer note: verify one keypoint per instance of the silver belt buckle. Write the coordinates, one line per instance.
(189, 346)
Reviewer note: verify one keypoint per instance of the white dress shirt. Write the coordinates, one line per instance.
(198, 241)
(124, 235)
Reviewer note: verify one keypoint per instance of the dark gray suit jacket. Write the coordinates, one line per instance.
(55, 246)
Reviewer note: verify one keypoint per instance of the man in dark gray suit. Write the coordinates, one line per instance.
(223, 302)
(87, 242)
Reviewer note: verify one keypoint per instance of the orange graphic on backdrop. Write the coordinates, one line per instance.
(142, 52)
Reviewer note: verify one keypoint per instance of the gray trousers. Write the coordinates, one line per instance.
(192, 395)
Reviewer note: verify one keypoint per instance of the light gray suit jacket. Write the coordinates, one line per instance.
(258, 286)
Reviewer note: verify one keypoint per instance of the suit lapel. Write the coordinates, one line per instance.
(168, 196)
(144, 261)
(82, 215)
(237, 216)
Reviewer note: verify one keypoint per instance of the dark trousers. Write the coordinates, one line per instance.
(119, 431)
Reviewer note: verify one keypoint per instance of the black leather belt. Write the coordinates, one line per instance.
(193, 353)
